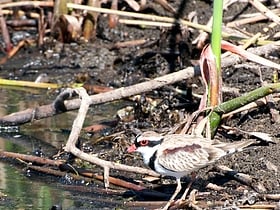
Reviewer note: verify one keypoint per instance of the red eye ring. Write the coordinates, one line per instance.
(144, 142)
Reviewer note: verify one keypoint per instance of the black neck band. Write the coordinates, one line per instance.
(152, 161)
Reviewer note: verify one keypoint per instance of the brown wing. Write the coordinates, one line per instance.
(187, 153)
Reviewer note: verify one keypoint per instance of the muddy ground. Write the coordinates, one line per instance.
(100, 63)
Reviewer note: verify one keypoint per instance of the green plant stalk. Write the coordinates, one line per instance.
(216, 35)
(238, 102)
(214, 87)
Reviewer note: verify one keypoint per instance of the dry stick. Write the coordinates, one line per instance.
(121, 183)
(166, 6)
(241, 177)
(249, 56)
(14, 50)
(130, 43)
(21, 13)
(203, 203)
(253, 19)
(50, 110)
(31, 158)
(270, 196)
(259, 206)
(54, 172)
(74, 135)
(250, 106)
(5, 32)
(250, 41)
(146, 23)
(138, 15)
(265, 11)
(162, 21)
(27, 3)
(133, 4)
(263, 50)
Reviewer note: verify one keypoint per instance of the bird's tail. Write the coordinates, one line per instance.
(236, 146)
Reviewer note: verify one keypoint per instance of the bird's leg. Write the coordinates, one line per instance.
(178, 189)
(193, 177)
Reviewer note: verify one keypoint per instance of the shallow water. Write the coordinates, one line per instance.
(24, 193)
(21, 189)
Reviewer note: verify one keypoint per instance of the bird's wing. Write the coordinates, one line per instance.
(187, 154)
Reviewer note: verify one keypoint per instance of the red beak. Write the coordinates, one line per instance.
(132, 148)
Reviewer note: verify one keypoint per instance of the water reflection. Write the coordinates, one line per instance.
(30, 190)
(33, 191)
(25, 193)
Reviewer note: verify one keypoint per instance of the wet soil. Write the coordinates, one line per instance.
(100, 63)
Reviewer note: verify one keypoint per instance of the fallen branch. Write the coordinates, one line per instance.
(50, 110)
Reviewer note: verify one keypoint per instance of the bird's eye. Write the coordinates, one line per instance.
(144, 142)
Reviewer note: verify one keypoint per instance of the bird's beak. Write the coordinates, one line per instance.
(132, 148)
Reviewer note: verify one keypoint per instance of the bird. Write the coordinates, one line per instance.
(178, 155)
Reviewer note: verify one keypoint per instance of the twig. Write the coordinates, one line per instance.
(248, 55)
(121, 183)
(31, 158)
(262, 50)
(166, 6)
(14, 50)
(241, 177)
(270, 196)
(252, 19)
(265, 11)
(27, 3)
(5, 33)
(250, 106)
(131, 43)
(146, 23)
(133, 4)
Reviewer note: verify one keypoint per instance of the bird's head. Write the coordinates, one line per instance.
(147, 144)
